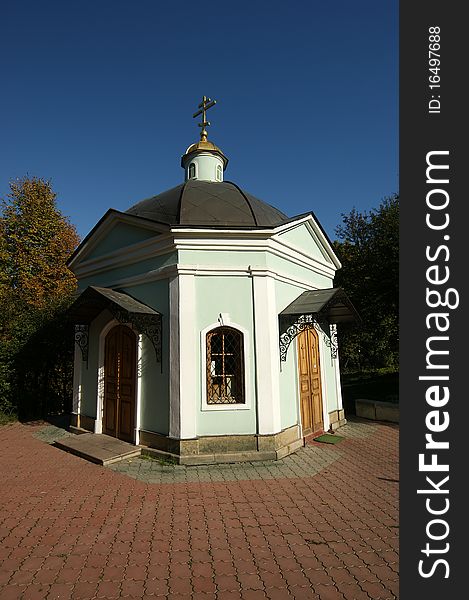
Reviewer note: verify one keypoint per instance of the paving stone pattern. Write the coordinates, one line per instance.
(320, 524)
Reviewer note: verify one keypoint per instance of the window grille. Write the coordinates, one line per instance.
(225, 366)
(219, 172)
(191, 171)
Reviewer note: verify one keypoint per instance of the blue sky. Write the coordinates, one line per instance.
(98, 97)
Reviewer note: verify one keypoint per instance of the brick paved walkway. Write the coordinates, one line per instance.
(321, 524)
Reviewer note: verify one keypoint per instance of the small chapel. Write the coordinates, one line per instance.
(206, 321)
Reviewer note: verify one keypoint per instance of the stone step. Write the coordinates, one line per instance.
(98, 448)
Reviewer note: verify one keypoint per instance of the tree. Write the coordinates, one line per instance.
(369, 252)
(36, 240)
(35, 289)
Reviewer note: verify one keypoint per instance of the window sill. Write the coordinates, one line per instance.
(228, 407)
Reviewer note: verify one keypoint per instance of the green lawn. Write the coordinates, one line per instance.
(382, 386)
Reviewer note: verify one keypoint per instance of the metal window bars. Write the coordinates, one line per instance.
(225, 366)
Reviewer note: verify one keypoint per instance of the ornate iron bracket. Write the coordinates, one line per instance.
(149, 325)
(82, 339)
(291, 326)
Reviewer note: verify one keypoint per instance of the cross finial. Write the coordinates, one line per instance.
(203, 107)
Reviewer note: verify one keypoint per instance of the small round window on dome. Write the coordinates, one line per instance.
(192, 171)
(219, 173)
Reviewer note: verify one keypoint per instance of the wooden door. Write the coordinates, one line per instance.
(119, 383)
(310, 382)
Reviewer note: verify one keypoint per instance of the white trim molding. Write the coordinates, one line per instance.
(182, 341)
(267, 353)
(77, 381)
(187, 367)
(338, 385)
(324, 352)
(174, 359)
(138, 399)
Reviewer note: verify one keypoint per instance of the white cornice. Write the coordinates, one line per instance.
(165, 272)
(211, 240)
(183, 238)
(210, 271)
(270, 246)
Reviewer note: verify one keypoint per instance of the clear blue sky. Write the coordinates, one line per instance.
(98, 97)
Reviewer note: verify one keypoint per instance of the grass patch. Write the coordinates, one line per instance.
(376, 385)
(7, 417)
(327, 438)
(165, 461)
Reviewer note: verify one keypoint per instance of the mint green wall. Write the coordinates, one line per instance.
(290, 269)
(223, 258)
(329, 376)
(289, 403)
(206, 166)
(89, 376)
(154, 412)
(304, 241)
(120, 236)
(232, 295)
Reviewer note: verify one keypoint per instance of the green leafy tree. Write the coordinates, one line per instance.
(35, 289)
(368, 247)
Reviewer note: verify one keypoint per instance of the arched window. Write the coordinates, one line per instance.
(219, 173)
(192, 171)
(225, 366)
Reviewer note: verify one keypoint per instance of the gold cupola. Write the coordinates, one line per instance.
(204, 160)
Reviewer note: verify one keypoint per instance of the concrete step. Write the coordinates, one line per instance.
(98, 448)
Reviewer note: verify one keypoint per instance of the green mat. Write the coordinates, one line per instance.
(328, 438)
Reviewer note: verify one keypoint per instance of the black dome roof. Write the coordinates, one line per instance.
(208, 204)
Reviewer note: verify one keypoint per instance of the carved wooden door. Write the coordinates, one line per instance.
(120, 383)
(310, 382)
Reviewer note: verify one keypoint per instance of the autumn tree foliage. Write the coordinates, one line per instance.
(35, 289)
(36, 241)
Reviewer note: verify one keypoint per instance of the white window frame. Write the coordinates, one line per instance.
(189, 176)
(247, 404)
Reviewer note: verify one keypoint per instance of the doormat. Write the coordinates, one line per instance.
(328, 438)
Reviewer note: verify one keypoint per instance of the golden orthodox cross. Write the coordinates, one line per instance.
(204, 106)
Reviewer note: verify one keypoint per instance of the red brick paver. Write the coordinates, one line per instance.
(71, 529)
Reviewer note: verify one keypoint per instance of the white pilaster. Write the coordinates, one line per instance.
(267, 353)
(138, 408)
(188, 343)
(77, 382)
(182, 355)
(338, 385)
(174, 362)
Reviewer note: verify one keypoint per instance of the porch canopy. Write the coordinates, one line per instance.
(315, 308)
(331, 304)
(123, 307)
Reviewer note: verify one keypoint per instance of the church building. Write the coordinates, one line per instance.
(205, 327)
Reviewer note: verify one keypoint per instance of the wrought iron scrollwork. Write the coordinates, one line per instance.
(149, 325)
(82, 339)
(334, 341)
(292, 326)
